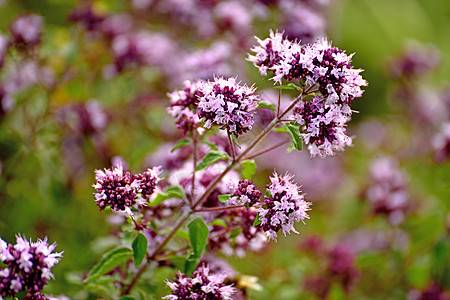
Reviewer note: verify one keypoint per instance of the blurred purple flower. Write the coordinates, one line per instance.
(4, 44)
(302, 23)
(388, 191)
(441, 143)
(26, 31)
(416, 60)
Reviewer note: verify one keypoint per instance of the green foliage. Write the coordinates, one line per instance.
(248, 168)
(181, 143)
(211, 158)
(139, 249)
(108, 262)
(170, 192)
(198, 234)
(294, 132)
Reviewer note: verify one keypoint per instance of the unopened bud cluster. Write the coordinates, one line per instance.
(121, 190)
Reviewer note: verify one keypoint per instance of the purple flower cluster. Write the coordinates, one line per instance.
(26, 30)
(283, 207)
(388, 192)
(202, 285)
(183, 106)
(415, 61)
(320, 67)
(121, 190)
(340, 267)
(441, 143)
(28, 267)
(323, 127)
(244, 193)
(225, 103)
(249, 238)
(318, 64)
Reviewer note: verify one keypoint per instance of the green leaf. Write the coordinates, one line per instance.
(211, 158)
(182, 234)
(210, 144)
(289, 86)
(265, 104)
(294, 131)
(235, 232)
(108, 262)
(248, 168)
(198, 234)
(191, 264)
(257, 220)
(178, 261)
(234, 138)
(170, 192)
(280, 129)
(224, 198)
(181, 143)
(127, 298)
(139, 249)
(218, 222)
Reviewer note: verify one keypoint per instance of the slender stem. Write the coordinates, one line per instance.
(166, 255)
(279, 103)
(262, 151)
(230, 142)
(151, 257)
(209, 209)
(194, 141)
(136, 225)
(209, 189)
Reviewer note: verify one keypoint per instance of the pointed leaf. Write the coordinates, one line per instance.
(257, 220)
(234, 138)
(198, 234)
(108, 262)
(181, 143)
(224, 198)
(248, 168)
(265, 104)
(139, 249)
(211, 158)
(235, 232)
(289, 86)
(294, 131)
(170, 192)
(191, 264)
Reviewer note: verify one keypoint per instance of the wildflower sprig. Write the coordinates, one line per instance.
(228, 213)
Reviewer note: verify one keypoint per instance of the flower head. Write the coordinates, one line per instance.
(121, 190)
(202, 285)
(28, 266)
(183, 106)
(244, 192)
(26, 30)
(148, 181)
(115, 188)
(225, 103)
(283, 207)
(270, 52)
(317, 64)
(323, 127)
